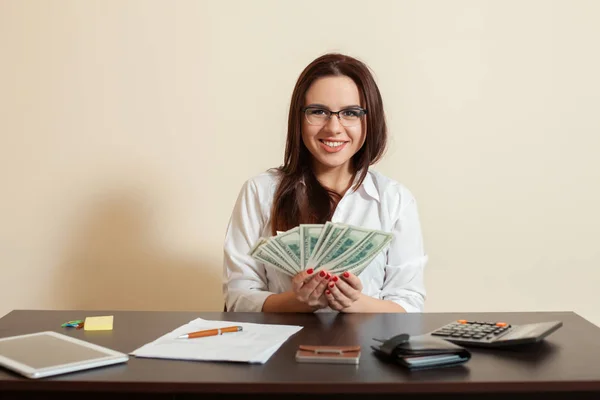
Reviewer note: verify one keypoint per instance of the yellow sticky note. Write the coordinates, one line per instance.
(98, 323)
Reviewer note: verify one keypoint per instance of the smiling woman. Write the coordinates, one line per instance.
(325, 136)
(336, 131)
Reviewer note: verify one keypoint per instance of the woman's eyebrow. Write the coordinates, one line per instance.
(327, 108)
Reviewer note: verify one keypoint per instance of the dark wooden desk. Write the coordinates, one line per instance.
(566, 365)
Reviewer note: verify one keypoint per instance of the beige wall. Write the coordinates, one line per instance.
(128, 127)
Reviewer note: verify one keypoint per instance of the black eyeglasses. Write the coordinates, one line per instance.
(320, 116)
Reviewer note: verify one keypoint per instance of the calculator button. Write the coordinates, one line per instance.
(462, 321)
(501, 324)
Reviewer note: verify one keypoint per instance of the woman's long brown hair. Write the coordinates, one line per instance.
(300, 198)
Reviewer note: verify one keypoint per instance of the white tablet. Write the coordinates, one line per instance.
(42, 354)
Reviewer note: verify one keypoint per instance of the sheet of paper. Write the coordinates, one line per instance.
(256, 343)
(104, 323)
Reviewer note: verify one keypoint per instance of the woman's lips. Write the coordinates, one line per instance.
(330, 149)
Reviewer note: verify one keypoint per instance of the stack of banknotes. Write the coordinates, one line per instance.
(336, 248)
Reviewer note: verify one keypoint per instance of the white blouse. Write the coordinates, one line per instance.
(381, 203)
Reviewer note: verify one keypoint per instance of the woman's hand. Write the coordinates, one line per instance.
(342, 292)
(309, 287)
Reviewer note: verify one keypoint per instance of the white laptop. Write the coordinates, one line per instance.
(42, 354)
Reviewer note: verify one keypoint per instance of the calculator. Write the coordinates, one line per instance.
(494, 334)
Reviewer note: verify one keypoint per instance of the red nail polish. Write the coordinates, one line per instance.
(328, 291)
(346, 274)
(335, 279)
(331, 284)
(328, 275)
(322, 274)
(309, 271)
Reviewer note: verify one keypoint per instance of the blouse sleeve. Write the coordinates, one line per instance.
(406, 259)
(244, 278)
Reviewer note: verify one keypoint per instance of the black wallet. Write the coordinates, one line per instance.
(421, 352)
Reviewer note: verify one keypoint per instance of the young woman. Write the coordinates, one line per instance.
(336, 130)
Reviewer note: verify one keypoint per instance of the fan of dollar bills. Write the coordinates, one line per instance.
(333, 247)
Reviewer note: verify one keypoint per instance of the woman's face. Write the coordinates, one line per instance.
(332, 144)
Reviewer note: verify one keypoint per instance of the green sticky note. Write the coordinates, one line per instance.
(73, 323)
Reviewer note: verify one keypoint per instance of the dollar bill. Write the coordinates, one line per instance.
(331, 246)
(357, 270)
(258, 243)
(335, 232)
(264, 244)
(263, 255)
(347, 241)
(289, 243)
(324, 234)
(276, 249)
(309, 237)
(369, 247)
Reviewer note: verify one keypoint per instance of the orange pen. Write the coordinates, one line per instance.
(210, 332)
